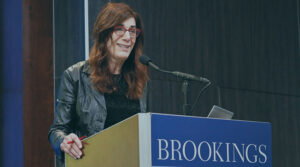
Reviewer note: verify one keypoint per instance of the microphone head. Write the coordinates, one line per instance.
(145, 60)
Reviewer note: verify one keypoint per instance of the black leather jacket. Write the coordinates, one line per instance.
(80, 109)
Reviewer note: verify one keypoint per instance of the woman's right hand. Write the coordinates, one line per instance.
(74, 148)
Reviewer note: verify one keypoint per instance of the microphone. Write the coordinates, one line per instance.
(147, 61)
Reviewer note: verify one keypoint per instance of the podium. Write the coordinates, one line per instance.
(163, 140)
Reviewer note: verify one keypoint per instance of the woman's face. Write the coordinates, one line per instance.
(121, 44)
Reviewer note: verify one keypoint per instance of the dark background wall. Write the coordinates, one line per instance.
(69, 35)
(1, 84)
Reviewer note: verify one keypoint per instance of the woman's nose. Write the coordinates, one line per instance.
(127, 35)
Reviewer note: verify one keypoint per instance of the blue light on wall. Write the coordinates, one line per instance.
(11, 92)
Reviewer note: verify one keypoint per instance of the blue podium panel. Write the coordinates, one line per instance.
(185, 141)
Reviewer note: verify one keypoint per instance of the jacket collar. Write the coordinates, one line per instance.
(86, 67)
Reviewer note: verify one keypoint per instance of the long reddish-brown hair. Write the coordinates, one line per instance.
(133, 71)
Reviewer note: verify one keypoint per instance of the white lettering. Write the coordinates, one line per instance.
(262, 153)
(247, 153)
(163, 149)
(227, 152)
(209, 151)
(216, 152)
(175, 149)
(184, 153)
(235, 147)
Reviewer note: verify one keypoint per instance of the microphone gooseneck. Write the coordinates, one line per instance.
(148, 62)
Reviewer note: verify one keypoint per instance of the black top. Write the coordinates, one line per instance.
(118, 106)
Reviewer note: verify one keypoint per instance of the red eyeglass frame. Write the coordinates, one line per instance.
(123, 28)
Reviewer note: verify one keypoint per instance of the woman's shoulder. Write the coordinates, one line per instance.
(78, 66)
(75, 70)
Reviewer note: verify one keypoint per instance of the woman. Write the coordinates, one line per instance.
(107, 88)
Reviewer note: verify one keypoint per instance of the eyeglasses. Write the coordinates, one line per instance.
(133, 32)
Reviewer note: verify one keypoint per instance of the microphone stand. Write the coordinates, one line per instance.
(186, 99)
(185, 87)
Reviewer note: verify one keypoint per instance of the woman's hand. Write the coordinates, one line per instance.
(74, 148)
